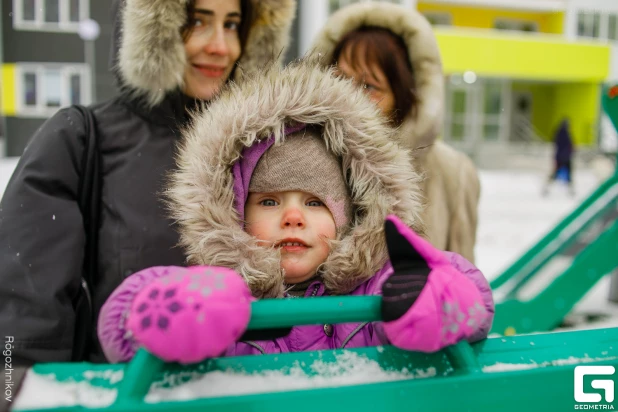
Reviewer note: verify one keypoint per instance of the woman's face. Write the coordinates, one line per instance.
(371, 78)
(212, 48)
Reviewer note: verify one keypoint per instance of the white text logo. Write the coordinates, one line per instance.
(607, 385)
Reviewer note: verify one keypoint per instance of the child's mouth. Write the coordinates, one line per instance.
(292, 246)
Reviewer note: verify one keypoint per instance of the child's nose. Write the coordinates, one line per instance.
(293, 217)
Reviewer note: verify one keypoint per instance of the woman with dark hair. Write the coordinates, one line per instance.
(391, 52)
(170, 56)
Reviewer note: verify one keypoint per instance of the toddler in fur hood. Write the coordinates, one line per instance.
(289, 186)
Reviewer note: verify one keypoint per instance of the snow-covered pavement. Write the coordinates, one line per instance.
(513, 216)
(7, 165)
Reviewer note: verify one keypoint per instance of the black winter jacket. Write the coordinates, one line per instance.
(41, 231)
(42, 237)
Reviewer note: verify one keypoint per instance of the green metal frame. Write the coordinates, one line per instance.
(598, 258)
(463, 379)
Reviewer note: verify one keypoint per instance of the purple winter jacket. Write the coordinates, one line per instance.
(356, 335)
(119, 345)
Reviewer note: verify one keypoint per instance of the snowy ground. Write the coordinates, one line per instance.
(7, 165)
(513, 216)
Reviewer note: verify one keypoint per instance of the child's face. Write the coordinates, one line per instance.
(297, 223)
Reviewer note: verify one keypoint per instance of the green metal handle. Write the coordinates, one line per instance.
(278, 313)
(265, 313)
(462, 357)
(138, 378)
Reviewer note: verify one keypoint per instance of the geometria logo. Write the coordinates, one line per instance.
(584, 378)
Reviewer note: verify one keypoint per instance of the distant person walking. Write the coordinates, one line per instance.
(563, 169)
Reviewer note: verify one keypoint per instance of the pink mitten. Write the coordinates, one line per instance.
(191, 314)
(427, 303)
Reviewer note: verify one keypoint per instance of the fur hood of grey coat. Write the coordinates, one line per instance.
(451, 187)
(415, 132)
(151, 57)
(381, 182)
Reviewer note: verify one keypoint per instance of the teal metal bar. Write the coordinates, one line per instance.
(138, 377)
(565, 239)
(546, 310)
(277, 313)
(463, 358)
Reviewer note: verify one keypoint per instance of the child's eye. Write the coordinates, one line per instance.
(315, 203)
(268, 202)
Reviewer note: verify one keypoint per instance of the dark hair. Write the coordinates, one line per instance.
(388, 51)
(246, 11)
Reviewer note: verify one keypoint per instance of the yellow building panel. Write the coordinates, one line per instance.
(552, 102)
(579, 103)
(554, 23)
(519, 56)
(543, 103)
(8, 90)
(485, 18)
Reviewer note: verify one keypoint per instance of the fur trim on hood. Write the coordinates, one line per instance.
(201, 191)
(418, 36)
(152, 58)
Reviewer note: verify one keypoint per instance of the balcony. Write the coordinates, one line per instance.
(525, 56)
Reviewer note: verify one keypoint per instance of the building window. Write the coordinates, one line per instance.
(52, 79)
(52, 11)
(516, 25)
(29, 89)
(598, 26)
(43, 88)
(74, 10)
(49, 15)
(28, 10)
(334, 5)
(494, 105)
(459, 118)
(588, 24)
(76, 89)
(612, 27)
(439, 19)
(475, 112)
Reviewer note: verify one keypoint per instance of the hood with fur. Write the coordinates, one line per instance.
(151, 57)
(201, 191)
(422, 46)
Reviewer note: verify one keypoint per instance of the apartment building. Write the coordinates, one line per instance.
(51, 58)
(514, 69)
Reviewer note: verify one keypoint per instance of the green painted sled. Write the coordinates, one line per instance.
(527, 372)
